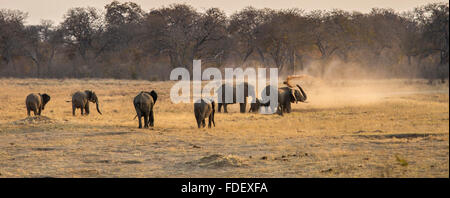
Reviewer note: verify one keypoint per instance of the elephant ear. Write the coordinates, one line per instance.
(154, 95)
(302, 95)
(94, 97)
(88, 94)
(292, 95)
(45, 98)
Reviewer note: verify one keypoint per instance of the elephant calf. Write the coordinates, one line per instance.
(204, 109)
(144, 103)
(36, 103)
(254, 107)
(81, 100)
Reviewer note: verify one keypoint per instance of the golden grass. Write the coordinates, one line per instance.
(370, 128)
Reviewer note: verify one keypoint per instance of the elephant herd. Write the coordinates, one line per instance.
(203, 108)
(80, 100)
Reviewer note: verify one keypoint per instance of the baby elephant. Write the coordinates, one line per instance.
(81, 100)
(254, 107)
(143, 103)
(36, 103)
(204, 109)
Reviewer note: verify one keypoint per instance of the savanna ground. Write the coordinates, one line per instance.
(359, 128)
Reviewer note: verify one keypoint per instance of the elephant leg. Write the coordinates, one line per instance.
(39, 111)
(219, 107)
(86, 108)
(203, 123)
(35, 111)
(82, 110)
(197, 119)
(152, 119)
(145, 120)
(280, 109)
(73, 110)
(285, 105)
(140, 120)
(288, 108)
(242, 107)
(209, 121)
(225, 110)
(28, 111)
(200, 122)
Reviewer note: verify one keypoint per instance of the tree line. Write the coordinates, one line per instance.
(124, 41)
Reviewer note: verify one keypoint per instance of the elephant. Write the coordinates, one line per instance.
(249, 90)
(81, 100)
(286, 96)
(36, 103)
(254, 107)
(204, 109)
(144, 103)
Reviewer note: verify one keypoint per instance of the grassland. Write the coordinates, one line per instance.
(364, 128)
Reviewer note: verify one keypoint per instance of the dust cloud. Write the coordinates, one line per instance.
(337, 84)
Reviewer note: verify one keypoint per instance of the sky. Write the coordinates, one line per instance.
(55, 9)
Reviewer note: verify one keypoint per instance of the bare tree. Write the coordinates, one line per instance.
(82, 29)
(128, 42)
(11, 34)
(244, 27)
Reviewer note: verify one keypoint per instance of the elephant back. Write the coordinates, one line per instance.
(223, 91)
(79, 98)
(284, 94)
(203, 107)
(249, 90)
(33, 100)
(143, 100)
(226, 89)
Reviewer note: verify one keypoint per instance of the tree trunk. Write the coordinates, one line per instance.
(38, 70)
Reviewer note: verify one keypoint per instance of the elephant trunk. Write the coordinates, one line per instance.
(98, 110)
(303, 98)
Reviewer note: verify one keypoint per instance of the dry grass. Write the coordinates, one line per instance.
(389, 128)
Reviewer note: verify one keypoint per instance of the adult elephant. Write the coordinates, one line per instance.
(286, 96)
(36, 103)
(222, 93)
(144, 103)
(81, 99)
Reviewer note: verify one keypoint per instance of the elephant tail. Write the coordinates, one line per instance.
(68, 101)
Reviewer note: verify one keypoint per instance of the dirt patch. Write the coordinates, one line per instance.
(218, 161)
(35, 120)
